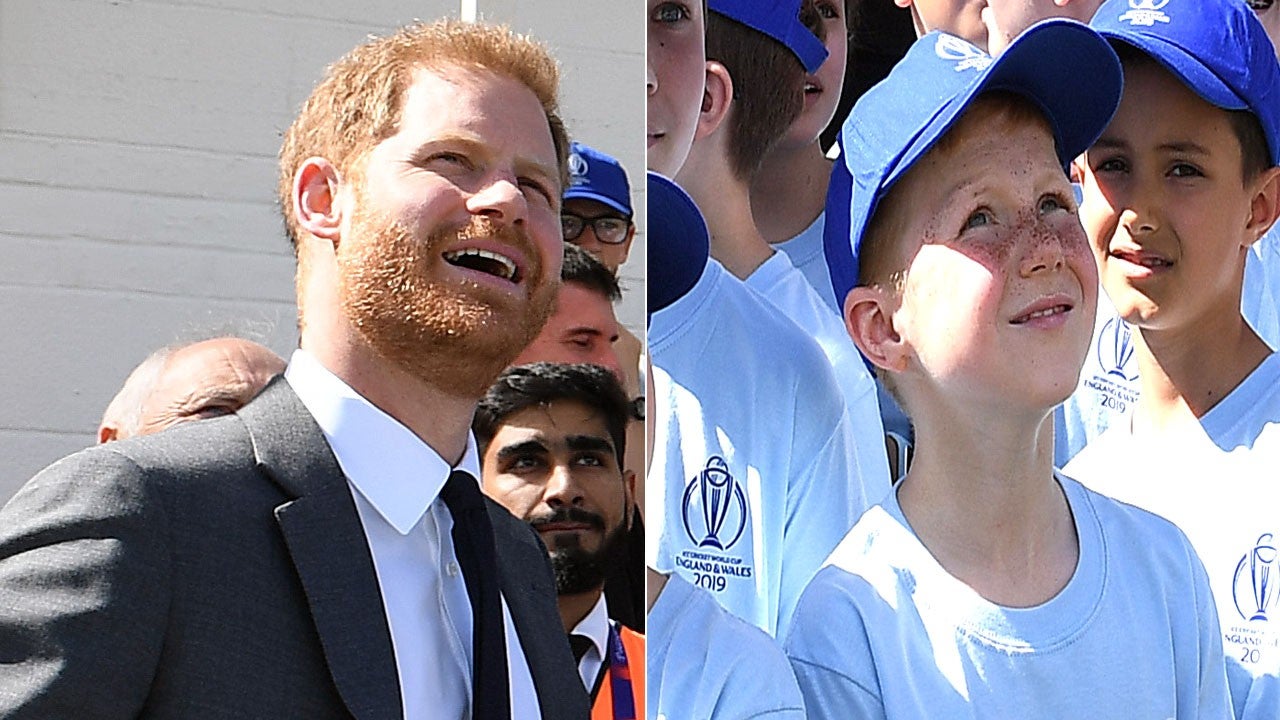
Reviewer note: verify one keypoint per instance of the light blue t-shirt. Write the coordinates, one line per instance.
(1109, 385)
(1218, 480)
(807, 254)
(883, 631)
(753, 477)
(778, 281)
(707, 664)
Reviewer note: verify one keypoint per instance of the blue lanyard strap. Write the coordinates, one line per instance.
(624, 704)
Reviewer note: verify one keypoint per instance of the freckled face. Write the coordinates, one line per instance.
(1000, 292)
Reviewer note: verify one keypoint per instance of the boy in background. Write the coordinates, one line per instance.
(758, 52)
(1176, 191)
(986, 584)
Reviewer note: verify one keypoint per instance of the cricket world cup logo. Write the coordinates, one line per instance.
(1115, 350)
(714, 507)
(1145, 13)
(1254, 587)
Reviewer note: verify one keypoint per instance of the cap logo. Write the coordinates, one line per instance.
(577, 169)
(1145, 13)
(964, 55)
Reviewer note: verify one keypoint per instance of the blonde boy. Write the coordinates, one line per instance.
(987, 585)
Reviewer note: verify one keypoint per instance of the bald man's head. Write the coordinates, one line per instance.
(205, 379)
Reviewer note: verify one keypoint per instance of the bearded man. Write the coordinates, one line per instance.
(325, 551)
(552, 439)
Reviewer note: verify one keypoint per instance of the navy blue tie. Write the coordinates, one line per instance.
(474, 548)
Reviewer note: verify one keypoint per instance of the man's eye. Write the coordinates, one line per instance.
(1184, 170)
(525, 463)
(590, 461)
(211, 411)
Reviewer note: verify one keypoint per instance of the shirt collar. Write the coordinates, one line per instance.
(595, 626)
(384, 461)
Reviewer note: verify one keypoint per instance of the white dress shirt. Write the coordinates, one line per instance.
(396, 479)
(595, 627)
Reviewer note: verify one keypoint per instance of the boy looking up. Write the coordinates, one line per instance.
(987, 585)
(1176, 190)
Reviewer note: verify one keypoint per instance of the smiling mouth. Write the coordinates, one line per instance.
(484, 261)
(1043, 313)
(1142, 259)
(811, 89)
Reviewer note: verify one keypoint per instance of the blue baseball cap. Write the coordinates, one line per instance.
(780, 20)
(677, 242)
(1061, 66)
(1215, 47)
(596, 176)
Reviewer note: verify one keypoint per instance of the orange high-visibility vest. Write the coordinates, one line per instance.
(633, 646)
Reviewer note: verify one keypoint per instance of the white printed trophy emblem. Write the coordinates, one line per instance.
(1145, 13)
(964, 55)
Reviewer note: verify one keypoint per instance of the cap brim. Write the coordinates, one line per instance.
(1044, 64)
(1185, 66)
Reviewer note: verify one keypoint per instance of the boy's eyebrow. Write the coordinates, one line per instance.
(1108, 143)
(1186, 147)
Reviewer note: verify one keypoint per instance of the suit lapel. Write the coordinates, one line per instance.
(326, 541)
(530, 592)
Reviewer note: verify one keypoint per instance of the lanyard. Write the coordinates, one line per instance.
(624, 704)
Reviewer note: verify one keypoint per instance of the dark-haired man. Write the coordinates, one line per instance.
(551, 439)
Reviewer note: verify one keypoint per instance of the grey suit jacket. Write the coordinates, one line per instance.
(220, 570)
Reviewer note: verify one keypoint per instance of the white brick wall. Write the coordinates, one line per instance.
(137, 176)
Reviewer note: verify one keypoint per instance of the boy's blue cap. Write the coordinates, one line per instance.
(780, 20)
(678, 242)
(596, 176)
(1215, 47)
(1061, 66)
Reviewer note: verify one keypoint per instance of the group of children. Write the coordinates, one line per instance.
(967, 268)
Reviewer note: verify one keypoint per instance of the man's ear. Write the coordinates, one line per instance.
(716, 98)
(1265, 206)
(315, 199)
(107, 433)
(868, 317)
(629, 492)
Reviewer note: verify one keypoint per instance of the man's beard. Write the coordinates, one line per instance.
(578, 570)
(457, 337)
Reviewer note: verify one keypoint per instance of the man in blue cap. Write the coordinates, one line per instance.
(987, 584)
(758, 52)
(596, 214)
(1183, 182)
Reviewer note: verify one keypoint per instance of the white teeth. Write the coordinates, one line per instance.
(1056, 309)
(508, 265)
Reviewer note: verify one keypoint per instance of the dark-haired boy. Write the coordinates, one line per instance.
(1177, 189)
(987, 584)
(758, 52)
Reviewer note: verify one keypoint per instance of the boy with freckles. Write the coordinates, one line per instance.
(987, 584)
(1177, 189)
